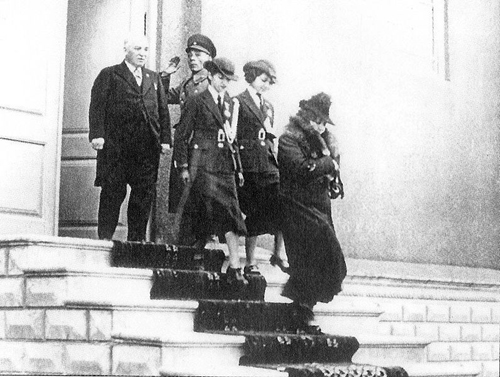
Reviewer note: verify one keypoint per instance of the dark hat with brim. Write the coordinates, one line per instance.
(318, 104)
(221, 65)
(201, 42)
(263, 65)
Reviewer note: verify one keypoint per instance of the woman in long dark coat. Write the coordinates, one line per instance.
(256, 134)
(205, 154)
(308, 164)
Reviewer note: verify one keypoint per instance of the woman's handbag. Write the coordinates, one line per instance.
(336, 187)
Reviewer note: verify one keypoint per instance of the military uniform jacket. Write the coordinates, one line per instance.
(200, 140)
(118, 107)
(256, 145)
(191, 86)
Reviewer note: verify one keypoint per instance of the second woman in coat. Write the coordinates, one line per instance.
(209, 164)
(255, 134)
(309, 163)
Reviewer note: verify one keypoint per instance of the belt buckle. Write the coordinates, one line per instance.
(221, 136)
(262, 134)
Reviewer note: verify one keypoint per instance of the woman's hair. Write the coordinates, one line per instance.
(252, 73)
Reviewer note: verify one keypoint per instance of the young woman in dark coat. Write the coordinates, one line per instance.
(255, 134)
(309, 167)
(209, 165)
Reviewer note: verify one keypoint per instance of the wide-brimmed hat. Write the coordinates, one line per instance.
(222, 65)
(319, 104)
(201, 42)
(264, 65)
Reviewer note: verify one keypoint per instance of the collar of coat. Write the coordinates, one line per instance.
(209, 102)
(325, 143)
(147, 78)
(246, 98)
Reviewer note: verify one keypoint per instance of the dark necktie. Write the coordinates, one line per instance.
(221, 107)
(261, 103)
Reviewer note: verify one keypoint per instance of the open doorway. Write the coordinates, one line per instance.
(95, 35)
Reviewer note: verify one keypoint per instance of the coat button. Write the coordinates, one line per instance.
(195, 146)
(220, 145)
(262, 143)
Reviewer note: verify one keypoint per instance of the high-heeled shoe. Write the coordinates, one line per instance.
(282, 264)
(234, 276)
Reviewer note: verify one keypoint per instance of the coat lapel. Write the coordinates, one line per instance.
(209, 102)
(248, 100)
(147, 81)
(123, 71)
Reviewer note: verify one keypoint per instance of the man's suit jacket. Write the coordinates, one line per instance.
(199, 141)
(118, 107)
(256, 145)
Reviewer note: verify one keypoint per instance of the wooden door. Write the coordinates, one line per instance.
(96, 31)
(33, 40)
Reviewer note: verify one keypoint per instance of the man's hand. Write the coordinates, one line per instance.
(185, 176)
(97, 143)
(241, 180)
(165, 148)
(173, 66)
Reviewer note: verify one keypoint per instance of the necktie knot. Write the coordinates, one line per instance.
(138, 76)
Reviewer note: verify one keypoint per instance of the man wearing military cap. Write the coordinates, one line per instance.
(199, 49)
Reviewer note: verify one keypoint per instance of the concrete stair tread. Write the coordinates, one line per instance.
(179, 338)
(444, 369)
(196, 337)
(134, 304)
(391, 340)
(221, 371)
(94, 270)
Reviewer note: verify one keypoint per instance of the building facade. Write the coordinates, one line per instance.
(415, 89)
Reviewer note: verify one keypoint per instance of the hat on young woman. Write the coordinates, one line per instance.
(201, 42)
(221, 65)
(263, 65)
(319, 105)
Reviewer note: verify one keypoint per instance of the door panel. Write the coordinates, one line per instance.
(34, 34)
(96, 31)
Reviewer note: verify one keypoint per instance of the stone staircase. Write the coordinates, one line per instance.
(65, 310)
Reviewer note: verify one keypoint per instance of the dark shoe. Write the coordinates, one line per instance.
(251, 270)
(234, 276)
(277, 261)
(312, 329)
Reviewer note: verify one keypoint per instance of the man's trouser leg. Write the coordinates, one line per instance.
(139, 208)
(111, 199)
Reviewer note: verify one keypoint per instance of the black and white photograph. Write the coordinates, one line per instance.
(250, 188)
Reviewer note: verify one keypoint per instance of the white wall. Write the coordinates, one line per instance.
(415, 92)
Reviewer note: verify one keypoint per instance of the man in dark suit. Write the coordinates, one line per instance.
(129, 128)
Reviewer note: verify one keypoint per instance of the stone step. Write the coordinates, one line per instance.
(211, 370)
(18, 253)
(148, 358)
(176, 284)
(380, 349)
(151, 255)
(342, 318)
(54, 358)
(448, 369)
(200, 348)
(175, 350)
(54, 286)
(24, 253)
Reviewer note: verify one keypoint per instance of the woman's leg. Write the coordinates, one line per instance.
(232, 245)
(279, 257)
(250, 244)
(234, 274)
